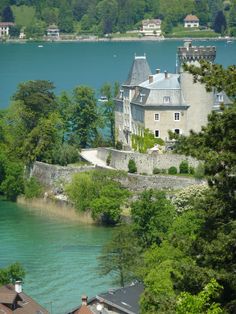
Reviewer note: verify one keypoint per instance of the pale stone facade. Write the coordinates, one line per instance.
(4, 28)
(151, 27)
(191, 21)
(163, 102)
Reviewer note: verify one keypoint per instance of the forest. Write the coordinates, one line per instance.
(101, 17)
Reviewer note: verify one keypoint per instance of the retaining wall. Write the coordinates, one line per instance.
(145, 162)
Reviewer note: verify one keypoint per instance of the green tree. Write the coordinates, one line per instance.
(152, 215)
(220, 24)
(107, 12)
(84, 118)
(121, 256)
(33, 122)
(65, 18)
(7, 14)
(11, 273)
(200, 303)
(213, 249)
(108, 108)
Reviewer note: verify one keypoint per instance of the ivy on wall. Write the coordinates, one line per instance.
(144, 140)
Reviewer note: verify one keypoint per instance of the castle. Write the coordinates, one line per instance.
(164, 101)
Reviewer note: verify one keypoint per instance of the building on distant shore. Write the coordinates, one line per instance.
(191, 21)
(14, 301)
(53, 32)
(116, 301)
(163, 102)
(5, 28)
(151, 27)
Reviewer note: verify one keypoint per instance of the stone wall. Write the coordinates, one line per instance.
(51, 175)
(145, 162)
(136, 182)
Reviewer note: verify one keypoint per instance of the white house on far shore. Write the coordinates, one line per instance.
(4, 28)
(191, 21)
(151, 27)
(53, 32)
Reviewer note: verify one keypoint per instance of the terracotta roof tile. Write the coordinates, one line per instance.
(191, 17)
(84, 309)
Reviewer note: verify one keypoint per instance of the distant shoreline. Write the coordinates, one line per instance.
(119, 39)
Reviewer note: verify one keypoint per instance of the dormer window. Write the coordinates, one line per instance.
(166, 99)
(220, 97)
(141, 97)
(121, 93)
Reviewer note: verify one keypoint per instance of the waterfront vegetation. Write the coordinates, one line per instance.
(101, 17)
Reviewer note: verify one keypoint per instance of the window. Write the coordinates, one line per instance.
(176, 116)
(177, 131)
(166, 99)
(157, 117)
(220, 97)
(157, 133)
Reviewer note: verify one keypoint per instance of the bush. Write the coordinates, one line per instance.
(132, 168)
(199, 171)
(156, 171)
(172, 170)
(66, 154)
(108, 160)
(119, 145)
(191, 170)
(33, 188)
(183, 167)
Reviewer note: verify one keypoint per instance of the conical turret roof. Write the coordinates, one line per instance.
(139, 71)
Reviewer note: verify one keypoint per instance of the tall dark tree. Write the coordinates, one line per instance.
(7, 14)
(220, 24)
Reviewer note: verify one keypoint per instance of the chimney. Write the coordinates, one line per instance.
(158, 71)
(18, 286)
(84, 300)
(166, 75)
(150, 78)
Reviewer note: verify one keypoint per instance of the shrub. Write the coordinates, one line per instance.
(172, 170)
(191, 170)
(132, 168)
(119, 145)
(187, 197)
(199, 171)
(183, 167)
(156, 171)
(66, 154)
(33, 188)
(108, 160)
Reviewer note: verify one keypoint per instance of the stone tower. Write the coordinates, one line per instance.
(195, 94)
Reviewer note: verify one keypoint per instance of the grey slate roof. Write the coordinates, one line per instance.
(125, 299)
(162, 85)
(139, 72)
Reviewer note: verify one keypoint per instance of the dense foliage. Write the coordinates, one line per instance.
(40, 126)
(11, 273)
(100, 192)
(106, 16)
(188, 247)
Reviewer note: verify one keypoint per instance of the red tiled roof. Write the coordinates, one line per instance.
(190, 18)
(6, 24)
(153, 21)
(24, 303)
(5, 310)
(84, 309)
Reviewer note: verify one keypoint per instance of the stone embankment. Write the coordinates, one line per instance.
(54, 177)
(145, 162)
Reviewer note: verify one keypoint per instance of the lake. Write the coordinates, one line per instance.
(60, 257)
(88, 63)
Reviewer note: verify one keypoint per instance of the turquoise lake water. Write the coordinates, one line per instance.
(92, 63)
(59, 257)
